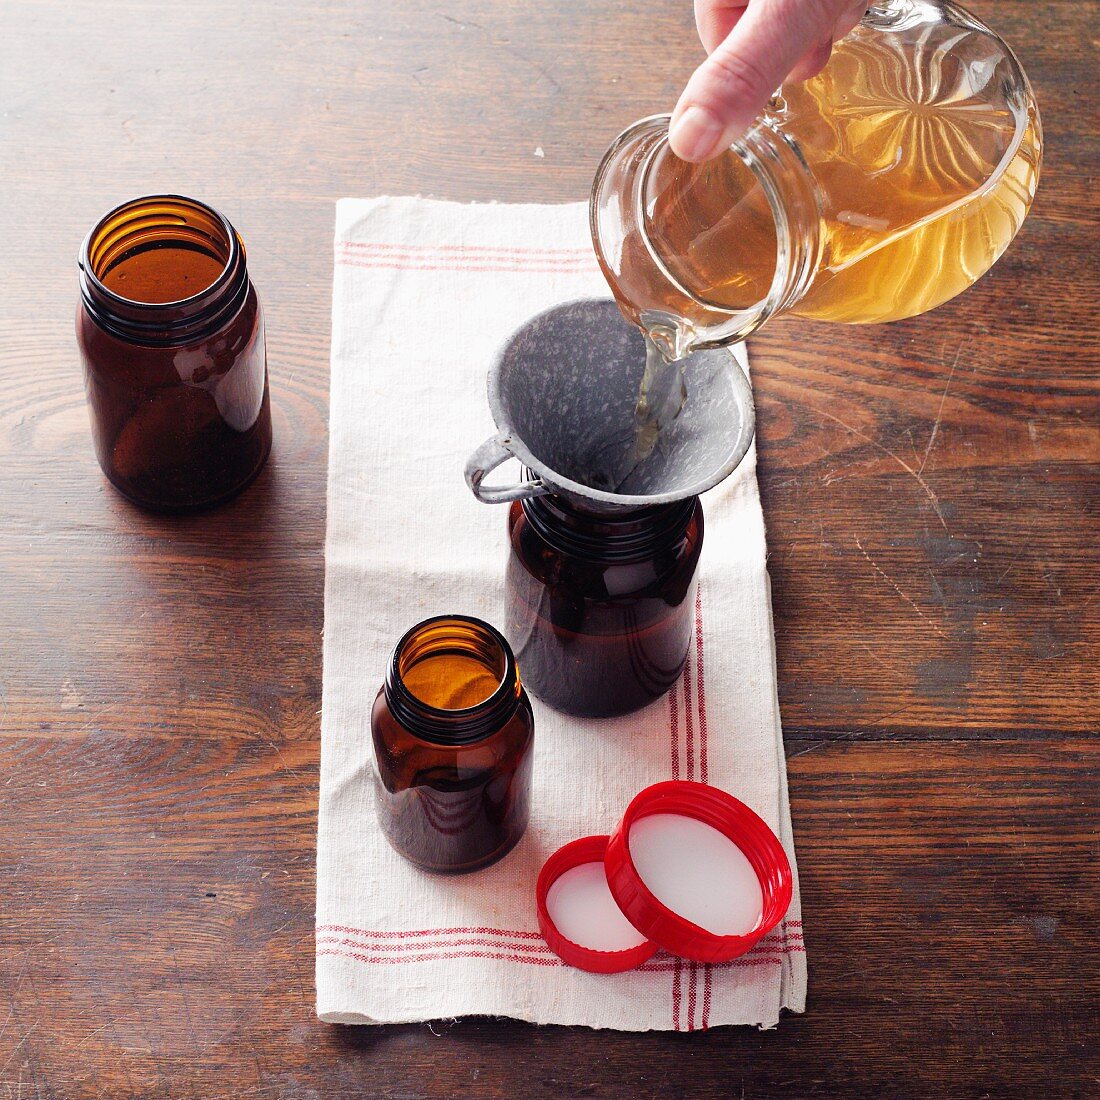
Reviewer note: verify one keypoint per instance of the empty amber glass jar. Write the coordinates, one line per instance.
(171, 335)
(601, 605)
(453, 734)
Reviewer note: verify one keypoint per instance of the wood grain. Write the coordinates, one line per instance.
(930, 492)
(950, 906)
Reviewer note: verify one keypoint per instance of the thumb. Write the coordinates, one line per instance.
(730, 88)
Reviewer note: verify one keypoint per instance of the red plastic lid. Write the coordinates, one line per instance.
(666, 852)
(689, 868)
(572, 892)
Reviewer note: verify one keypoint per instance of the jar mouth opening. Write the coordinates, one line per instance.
(609, 538)
(470, 641)
(159, 221)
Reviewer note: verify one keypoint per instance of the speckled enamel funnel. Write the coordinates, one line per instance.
(563, 390)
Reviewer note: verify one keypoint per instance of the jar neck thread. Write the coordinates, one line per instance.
(155, 222)
(609, 537)
(461, 637)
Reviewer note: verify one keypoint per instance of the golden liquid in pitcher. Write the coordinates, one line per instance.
(923, 178)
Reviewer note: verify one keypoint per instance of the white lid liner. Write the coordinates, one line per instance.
(697, 872)
(583, 910)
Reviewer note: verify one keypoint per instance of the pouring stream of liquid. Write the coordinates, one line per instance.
(661, 398)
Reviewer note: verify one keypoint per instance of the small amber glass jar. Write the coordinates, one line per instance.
(453, 735)
(601, 604)
(171, 334)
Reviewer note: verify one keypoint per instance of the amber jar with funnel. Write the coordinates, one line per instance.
(605, 544)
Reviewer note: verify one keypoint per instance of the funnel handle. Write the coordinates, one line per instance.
(487, 458)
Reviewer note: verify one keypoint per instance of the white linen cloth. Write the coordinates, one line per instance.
(424, 293)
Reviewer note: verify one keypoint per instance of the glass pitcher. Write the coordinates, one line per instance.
(877, 190)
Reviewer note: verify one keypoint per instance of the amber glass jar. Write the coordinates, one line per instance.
(601, 605)
(453, 734)
(171, 335)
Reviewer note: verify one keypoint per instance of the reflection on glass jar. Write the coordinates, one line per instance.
(171, 335)
(453, 736)
(600, 604)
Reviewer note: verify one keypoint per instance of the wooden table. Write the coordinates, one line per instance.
(930, 492)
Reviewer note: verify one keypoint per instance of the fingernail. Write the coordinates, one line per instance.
(695, 134)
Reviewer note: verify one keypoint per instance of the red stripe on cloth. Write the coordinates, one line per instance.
(435, 956)
(534, 960)
(492, 249)
(689, 750)
(674, 724)
(767, 947)
(461, 931)
(448, 261)
(701, 700)
(365, 933)
(437, 255)
(674, 727)
(701, 684)
(689, 724)
(392, 946)
(733, 964)
(399, 264)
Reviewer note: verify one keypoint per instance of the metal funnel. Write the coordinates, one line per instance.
(563, 390)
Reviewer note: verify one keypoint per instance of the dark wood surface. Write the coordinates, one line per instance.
(930, 492)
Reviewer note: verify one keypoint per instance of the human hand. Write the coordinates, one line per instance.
(754, 45)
